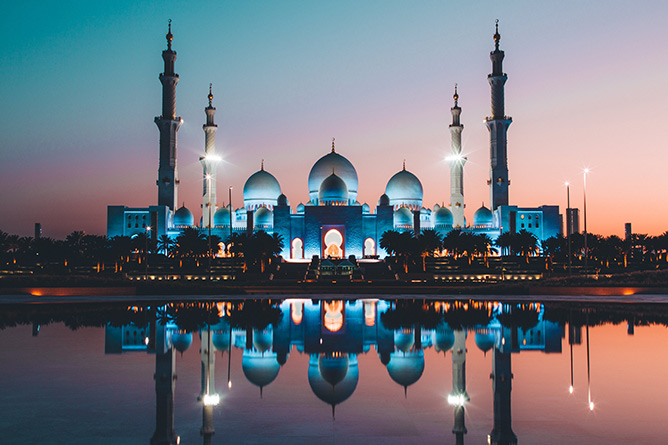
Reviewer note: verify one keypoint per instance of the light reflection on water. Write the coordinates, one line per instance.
(366, 370)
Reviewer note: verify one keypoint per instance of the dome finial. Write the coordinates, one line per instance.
(169, 36)
(404, 169)
(262, 165)
(497, 36)
(210, 96)
(456, 95)
(333, 139)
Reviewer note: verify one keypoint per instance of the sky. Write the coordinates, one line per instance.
(80, 90)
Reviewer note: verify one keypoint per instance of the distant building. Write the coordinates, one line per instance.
(332, 222)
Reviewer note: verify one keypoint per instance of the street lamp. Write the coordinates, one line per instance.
(148, 233)
(231, 208)
(569, 224)
(584, 176)
(208, 205)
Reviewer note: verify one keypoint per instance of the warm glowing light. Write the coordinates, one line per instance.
(567, 183)
(333, 319)
(207, 177)
(229, 384)
(213, 158)
(297, 309)
(146, 341)
(456, 400)
(457, 157)
(586, 171)
(211, 399)
(570, 389)
(591, 406)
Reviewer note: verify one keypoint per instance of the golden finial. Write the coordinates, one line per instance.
(262, 165)
(333, 139)
(210, 96)
(497, 36)
(404, 165)
(169, 35)
(456, 96)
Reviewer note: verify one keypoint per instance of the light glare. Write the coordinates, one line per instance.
(211, 399)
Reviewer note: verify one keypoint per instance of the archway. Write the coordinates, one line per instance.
(297, 249)
(369, 247)
(333, 244)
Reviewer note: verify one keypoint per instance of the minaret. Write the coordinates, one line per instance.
(498, 124)
(168, 124)
(457, 162)
(209, 163)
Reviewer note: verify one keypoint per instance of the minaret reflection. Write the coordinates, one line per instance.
(165, 379)
(208, 395)
(458, 397)
(502, 433)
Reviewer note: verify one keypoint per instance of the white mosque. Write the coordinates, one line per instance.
(332, 223)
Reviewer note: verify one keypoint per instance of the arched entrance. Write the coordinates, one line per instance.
(369, 247)
(333, 244)
(297, 249)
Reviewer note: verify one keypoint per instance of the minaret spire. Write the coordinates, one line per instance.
(168, 124)
(498, 124)
(457, 162)
(209, 162)
(333, 139)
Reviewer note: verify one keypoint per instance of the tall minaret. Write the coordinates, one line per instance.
(209, 163)
(498, 124)
(168, 124)
(457, 162)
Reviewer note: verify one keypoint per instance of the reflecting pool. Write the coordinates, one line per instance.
(362, 370)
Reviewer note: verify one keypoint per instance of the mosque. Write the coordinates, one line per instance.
(332, 222)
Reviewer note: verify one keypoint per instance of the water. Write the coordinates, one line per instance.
(396, 371)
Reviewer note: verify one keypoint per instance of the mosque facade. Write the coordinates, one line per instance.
(332, 222)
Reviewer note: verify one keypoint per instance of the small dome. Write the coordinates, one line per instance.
(263, 217)
(263, 340)
(484, 340)
(260, 369)
(333, 369)
(403, 217)
(443, 217)
(333, 190)
(406, 369)
(182, 340)
(261, 189)
(404, 189)
(444, 338)
(183, 217)
(221, 217)
(221, 341)
(483, 217)
(384, 200)
(324, 167)
(282, 200)
(332, 395)
(300, 208)
(404, 340)
(366, 208)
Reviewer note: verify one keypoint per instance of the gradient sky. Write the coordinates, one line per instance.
(80, 89)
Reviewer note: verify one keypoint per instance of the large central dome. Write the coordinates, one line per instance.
(328, 164)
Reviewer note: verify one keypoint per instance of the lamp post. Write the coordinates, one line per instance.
(569, 224)
(231, 208)
(148, 233)
(586, 252)
(208, 205)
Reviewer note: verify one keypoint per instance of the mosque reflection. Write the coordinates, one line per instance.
(334, 333)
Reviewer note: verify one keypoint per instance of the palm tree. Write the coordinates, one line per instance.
(505, 243)
(526, 244)
(191, 243)
(166, 245)
(429, 241)
(453, 243)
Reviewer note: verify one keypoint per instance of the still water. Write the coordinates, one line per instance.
(334, 371)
